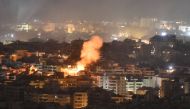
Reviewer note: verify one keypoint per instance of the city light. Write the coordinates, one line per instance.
(170, 69)
(94, 54)
(163, 33)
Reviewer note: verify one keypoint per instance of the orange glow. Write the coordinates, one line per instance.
(32, 70)
(90, 53)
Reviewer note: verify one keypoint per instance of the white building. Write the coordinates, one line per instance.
(133, 84)
(150, 81)
(112, 82)
(124, 80)
(184, 28)
(119, 84)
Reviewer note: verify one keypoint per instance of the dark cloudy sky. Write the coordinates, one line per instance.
(23, 10)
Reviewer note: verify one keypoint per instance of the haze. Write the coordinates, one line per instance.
(24, 10)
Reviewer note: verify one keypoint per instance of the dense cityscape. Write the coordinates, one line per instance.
(136, 63)
(68, 30)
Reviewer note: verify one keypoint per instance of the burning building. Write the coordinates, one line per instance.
(90, 53)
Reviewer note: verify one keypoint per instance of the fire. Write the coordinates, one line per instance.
(32, 69)
(90, 53)
(73, 70)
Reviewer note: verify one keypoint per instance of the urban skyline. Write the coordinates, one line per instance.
(94, 54)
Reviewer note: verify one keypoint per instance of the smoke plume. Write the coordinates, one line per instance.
(90, 52)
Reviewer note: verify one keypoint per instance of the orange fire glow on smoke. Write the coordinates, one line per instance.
(90, 53)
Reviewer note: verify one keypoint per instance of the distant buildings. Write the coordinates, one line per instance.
(162, 46)
(40, 82)
(137, 28)
(70, 28)
(121, 81)
(51, 98)
(23, 27)
(49, 27)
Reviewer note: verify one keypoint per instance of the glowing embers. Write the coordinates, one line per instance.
(72, 70)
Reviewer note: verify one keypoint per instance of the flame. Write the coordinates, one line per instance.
(32, 70)
(90, 53)
(72, 71)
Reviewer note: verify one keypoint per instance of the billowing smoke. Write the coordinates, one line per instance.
(90, 53)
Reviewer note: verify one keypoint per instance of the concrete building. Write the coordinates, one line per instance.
(73, 82)
(50, 68)
(46, 68)
(114, 83)
(70, 28)
(187, 87)
(130, 69)
(80, 100)
(51, 98)
(151, 81)
(119, 84)
(37, 84)
(124, 80)
(19, 54)
(23, 27)
(133, 83)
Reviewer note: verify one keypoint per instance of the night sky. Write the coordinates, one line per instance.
(24, 10)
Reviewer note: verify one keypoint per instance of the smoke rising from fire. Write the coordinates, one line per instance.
(90, 53)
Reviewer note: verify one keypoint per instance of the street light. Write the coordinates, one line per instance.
(170, 69)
